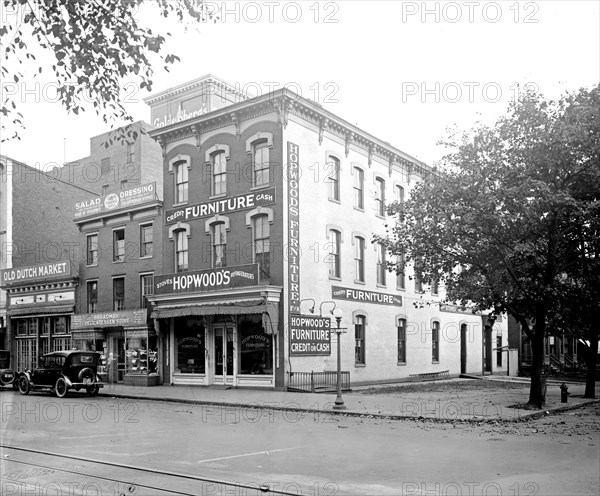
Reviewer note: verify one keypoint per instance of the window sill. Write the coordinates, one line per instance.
(180, 204)
(220, 195)
(400, 289)
(335, 278)
(262, 186)
(333, 200)
(379, 285)
(359, 209)
(146, 257)
(401, 364)
(380, 216)
(359, 365)
(435, 361)
(356, 281)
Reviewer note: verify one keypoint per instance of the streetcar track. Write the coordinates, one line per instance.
(175, 475)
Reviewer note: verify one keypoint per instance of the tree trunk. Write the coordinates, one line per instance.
(590, 359)
(537, 390)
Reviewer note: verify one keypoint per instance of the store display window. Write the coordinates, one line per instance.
(190, 346)
(255, 347)
(141, 353)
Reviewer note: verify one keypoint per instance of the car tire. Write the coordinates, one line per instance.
(24, 385)
(60, 388)
(85, 374)
(93, 391)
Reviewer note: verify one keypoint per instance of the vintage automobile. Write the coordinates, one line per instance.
(7, 375)
(60, 371)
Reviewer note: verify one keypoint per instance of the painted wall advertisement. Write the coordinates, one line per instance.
(35, 273)
(113, 201)
(365, 296)
(310, 335)
(207, 280)
(293, 203)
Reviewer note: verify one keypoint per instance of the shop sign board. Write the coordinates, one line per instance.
(220, 206)
(123, 318)
(35, 273)
(113, 201)
(293, 206)
(365, 296)
(207, 280)
(448, 307)
(309, 335)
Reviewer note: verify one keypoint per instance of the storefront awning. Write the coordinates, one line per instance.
(224, 307)
(50, 309)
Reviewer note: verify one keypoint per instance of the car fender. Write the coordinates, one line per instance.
(67, 380)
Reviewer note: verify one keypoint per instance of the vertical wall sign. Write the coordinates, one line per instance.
(293, 180)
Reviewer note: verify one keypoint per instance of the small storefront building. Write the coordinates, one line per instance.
(221, 327)
(128, 344)
(40, 305)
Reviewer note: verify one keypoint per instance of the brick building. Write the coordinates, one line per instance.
(271, 204)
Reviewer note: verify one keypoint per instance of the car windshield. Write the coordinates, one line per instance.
(53, 361)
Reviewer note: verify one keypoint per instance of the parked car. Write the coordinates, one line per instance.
(7, 375)
(61, 371)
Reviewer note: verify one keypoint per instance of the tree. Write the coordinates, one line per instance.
(510, 221)
(88, 47)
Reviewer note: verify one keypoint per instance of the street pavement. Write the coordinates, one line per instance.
(408, 400)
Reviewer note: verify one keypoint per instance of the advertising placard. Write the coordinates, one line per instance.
(124, 318)
(207, 280)
(365, 296)
(310, 335)
(123, 199)
(35, 273)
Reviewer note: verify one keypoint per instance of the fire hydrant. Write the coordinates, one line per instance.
(564, 393)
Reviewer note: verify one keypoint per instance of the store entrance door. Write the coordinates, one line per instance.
(224, 353)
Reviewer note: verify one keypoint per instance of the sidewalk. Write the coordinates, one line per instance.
(491, 399)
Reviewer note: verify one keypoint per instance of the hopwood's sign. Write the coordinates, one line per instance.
(365, 296)
(113, 201)
(123, 318)
(222, 206)
(35, 273)
(293, 205)
(310, 335)
(207, 280)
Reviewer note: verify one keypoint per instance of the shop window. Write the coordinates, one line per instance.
(261, 243)
(359, 258)
(146, 288)
(26, 354)
(256, 347)
(119, 245)
(359, 188)
(435, 341)
(380, 196)
(92, 296)
(359, 339)
(219, 244)
(260, 163)
(401, 340)
(62, 325)
(119, 293)
(190, 345)
(381, 263)
(219, 173)
(181, 251)
(141, 353)
(334, 253)
(92, 249)
(333, 164)
(146, 240)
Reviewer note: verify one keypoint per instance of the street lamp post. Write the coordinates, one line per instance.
(339, 401)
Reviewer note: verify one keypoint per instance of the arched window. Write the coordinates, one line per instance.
(359, 188)
(219, 243)
(260, 163)
(333, 164)
(219, 173)
(334, 253)
(359, 258)
(181, 251)
(380, 196)
(261, 243)
(360, 324)
(381, 263)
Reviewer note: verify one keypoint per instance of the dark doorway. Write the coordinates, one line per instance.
(463, 349)
(487, 349)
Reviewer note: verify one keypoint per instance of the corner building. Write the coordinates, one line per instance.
(271, 204)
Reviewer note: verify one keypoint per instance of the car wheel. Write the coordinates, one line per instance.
(93, 391)
(24, 385)
(61, 388)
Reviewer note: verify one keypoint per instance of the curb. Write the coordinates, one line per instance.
(350, 413)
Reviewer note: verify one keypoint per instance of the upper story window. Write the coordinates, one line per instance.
(359, 258)
(219, 173)
(146, 288)
(401, 328)
(418, 283)
(130, 152)
(435, 286)
(181, 251)
(92, 296)
(92, 249)
(359, 188)
(401, 272)
(119, 245)
(380, 196)
(118, 293)
(219, 243)
(399, 191)
(260, 163)
(381, 263)
(104, 189)
(146, 240)
(180, 169)
(334, 178)
(435, 341)
(334, 253)
(261, 243)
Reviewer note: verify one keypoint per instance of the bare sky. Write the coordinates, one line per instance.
(402, 71)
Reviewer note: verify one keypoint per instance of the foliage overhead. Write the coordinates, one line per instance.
(88, 47)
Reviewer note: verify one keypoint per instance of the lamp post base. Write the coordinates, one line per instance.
(339, 403)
